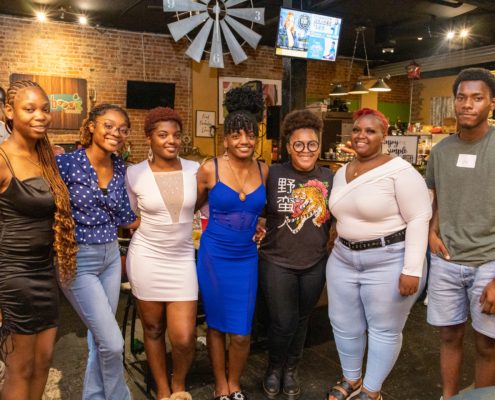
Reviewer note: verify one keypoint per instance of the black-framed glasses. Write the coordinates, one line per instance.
(300, 146)
(109, 127)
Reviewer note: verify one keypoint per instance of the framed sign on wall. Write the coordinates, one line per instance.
(403, 146)
(204, 121)
(68, 98)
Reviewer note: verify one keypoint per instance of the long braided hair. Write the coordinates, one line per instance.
(64, 235)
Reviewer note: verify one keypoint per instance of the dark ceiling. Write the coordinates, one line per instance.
(390, 23)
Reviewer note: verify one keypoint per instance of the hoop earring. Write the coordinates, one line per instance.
(150, 155)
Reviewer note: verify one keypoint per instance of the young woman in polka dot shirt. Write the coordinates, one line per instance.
(95, 178)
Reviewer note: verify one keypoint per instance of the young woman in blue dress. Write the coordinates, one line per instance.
(227, 260)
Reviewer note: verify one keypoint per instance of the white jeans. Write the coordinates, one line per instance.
(363, 297)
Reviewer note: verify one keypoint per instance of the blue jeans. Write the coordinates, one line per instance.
(94, 294)
(363, 296)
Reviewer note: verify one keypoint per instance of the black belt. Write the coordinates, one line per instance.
(395, 237)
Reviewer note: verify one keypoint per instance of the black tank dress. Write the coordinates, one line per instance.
(28, 287)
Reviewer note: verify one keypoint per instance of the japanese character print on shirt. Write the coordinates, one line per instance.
(309, 201)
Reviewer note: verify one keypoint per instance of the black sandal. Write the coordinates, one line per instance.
(221, 397)
(238, 396)
(343, 390)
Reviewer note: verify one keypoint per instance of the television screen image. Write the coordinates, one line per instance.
(307, 35)
(147, 95)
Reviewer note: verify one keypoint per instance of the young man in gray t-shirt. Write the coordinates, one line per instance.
(461, 177)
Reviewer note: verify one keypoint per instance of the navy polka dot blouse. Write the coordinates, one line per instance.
(96, 215)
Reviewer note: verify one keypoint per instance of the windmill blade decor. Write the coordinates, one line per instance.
(217, 16)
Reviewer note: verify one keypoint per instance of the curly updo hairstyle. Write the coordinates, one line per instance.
(160, 114)
(300, 119)
(64, 229)
(97, 111)
(244, 106)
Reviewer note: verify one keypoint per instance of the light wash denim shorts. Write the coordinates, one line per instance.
(454, 290)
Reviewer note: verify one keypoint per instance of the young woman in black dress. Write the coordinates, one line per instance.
(35, 223)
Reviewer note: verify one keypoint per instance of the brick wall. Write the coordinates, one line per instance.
(261, 63)
(322, 74)
(108, 58)
(400, 93)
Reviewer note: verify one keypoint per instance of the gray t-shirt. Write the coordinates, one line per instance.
(463, 177)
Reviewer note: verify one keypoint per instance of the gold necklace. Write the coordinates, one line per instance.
(30, 160)
(242, 194)
(33, 162)
(359, 172)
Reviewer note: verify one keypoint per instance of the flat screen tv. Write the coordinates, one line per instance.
(148, 95)
(307, 35)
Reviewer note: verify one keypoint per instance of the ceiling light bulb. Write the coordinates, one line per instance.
(420, 38)
(41, 16)
(450, 35)
(83, 20)
(464, 33)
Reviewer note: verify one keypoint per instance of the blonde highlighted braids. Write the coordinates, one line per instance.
(64, 229)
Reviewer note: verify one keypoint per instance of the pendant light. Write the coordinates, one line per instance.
(358, 87)
(380, 86)
(338, 90)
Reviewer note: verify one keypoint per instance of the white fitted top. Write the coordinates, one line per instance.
(382, 201)
(147, 197)
(160, 261)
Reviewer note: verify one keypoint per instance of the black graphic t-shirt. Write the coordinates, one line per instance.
(297, 217)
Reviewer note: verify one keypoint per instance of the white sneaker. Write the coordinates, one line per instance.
(425, 302)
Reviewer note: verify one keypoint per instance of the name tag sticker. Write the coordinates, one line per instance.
(466, 160)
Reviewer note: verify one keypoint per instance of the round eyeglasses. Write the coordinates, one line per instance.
(123, 131)
(300, 146)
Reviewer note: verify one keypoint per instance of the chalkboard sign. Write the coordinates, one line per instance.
(403, 146)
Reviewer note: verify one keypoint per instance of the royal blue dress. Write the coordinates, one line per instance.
(228, 258)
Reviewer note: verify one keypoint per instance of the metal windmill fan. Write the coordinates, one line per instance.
(218, 15)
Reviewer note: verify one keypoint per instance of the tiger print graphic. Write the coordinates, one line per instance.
(308, 202)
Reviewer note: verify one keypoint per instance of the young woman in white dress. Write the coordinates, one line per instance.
(160, 261)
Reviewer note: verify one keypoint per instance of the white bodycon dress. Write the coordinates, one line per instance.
(160, 261)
